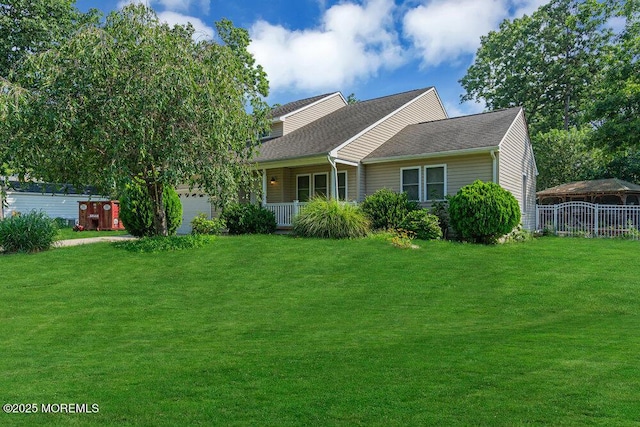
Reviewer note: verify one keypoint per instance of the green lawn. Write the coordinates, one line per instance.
(68, 233)
(272, 330)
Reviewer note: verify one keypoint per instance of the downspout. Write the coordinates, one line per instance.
(334, 186)
(495, 166)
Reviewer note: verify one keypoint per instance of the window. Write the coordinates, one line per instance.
(435, 180)
(410, 182)
(320, 184)
(303, 190)
(342, 185)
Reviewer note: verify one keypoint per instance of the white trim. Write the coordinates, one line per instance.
(346, 162)
(346, 185)
(431, 155)
(334, 152)
(444, 193)
(419, 180)
(494, 166)
(282, 118)
(298, 185)
(264, 187)
(313, 184)
(293, 162)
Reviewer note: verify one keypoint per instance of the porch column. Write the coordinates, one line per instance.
(264, 187)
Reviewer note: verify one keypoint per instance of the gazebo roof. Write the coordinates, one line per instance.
(597, 186)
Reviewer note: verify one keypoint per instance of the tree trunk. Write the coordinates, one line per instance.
(155, 190)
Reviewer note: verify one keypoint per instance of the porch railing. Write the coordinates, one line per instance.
(591, 220)
(285, 212)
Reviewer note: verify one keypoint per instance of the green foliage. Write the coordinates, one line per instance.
(136, 210)
(330, 219)
(483, 211)
(203, 225)
(158, 244)
(32, 26)
(138, 98)
(441, 210)
(550, 63)
(387, 209)
(616, 108)
(425, 225)
(249, 219)
(565, 155)
(31, 232)
(403, 239)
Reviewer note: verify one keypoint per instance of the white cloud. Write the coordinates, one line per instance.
(464, 109)
(527, 7)
(353, 42)
(442, 31)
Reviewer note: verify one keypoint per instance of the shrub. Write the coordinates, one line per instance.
(32, 232)
(441, 210)
(425, 225)
(203, 225)
(387, 209)
(157, 244)
(330, 219)
(136, 210)
(517, 235)
(483, 211)
(403, 239)
(249, 219)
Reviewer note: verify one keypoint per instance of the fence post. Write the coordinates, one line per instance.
(595, 220)
(555, 219)
(296, 206)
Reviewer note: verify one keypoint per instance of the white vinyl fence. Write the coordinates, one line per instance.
(285, 212)
(589, 220)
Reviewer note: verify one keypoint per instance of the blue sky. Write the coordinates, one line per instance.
(368, 47)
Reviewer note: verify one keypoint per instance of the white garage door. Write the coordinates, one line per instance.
(192, 205)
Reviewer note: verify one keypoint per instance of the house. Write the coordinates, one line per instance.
(405, 142)
(611, 191)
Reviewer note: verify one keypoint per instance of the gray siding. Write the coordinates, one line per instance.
(312, 113)
(516, 160)
(461, 170)
(277, 129)
(426, 108)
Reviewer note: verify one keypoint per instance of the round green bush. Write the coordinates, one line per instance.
(203, 225)
(32, 232)
(330, 219)
(136, 210)
(249, 219)
(386, 209)
(483, 211)
(425, 225)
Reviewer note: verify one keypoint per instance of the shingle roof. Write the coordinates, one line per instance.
(283, 110)
(328, 132)
(611, 185)
(477, 131)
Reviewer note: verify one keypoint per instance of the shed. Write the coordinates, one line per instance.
(611, 191)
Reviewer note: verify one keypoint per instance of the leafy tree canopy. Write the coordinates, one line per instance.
(548, 62)
(136, 98)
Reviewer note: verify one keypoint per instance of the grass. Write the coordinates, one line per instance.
(273, 330)
(67, 233)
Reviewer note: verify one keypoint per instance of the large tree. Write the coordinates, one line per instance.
(549, 62)
(28, 27)
(136, 98)
(32, 26)
(616, 109)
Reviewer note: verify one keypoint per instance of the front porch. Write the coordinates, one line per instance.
(286, 189)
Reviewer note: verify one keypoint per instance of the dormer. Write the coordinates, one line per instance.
(294, 115)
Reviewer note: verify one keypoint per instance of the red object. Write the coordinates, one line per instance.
(100, 215)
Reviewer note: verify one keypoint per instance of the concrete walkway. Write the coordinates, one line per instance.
(88, 240)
